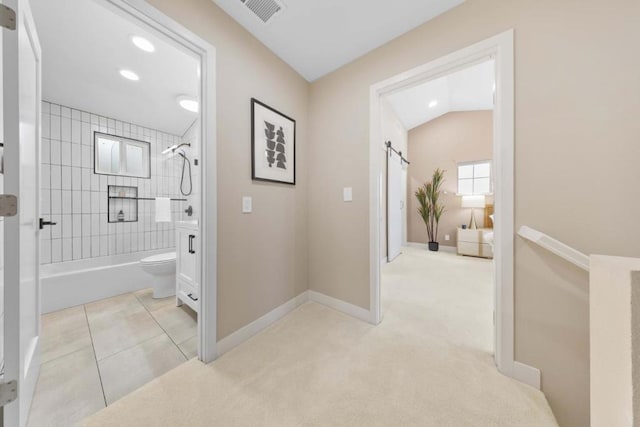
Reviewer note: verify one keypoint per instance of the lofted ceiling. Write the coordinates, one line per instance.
(316, 37)
(85, 45)
(469, 89)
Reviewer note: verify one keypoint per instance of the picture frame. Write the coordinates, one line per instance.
(273, 145)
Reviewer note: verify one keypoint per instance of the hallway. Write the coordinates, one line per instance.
(320, 367)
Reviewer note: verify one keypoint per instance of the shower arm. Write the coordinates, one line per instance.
(173, 148)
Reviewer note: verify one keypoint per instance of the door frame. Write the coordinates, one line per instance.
(142, 11)
(500, 48)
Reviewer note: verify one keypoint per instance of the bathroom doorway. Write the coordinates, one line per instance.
(128, 202)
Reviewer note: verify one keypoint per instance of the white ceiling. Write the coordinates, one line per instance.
(316, 37)
(469, 89)
(84, 45)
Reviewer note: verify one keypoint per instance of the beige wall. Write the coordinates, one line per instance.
(443, 143)
(576, 155)
(262, 257)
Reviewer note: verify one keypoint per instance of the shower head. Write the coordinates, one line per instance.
(173, 148)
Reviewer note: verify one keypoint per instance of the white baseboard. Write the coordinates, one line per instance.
(339, 305)
(451, 249)
(526, 374)
(247, 331)
(241, 335)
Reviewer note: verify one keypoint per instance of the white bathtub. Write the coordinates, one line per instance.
(67, 284)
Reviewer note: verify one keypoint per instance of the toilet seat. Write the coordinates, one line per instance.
(165, 258)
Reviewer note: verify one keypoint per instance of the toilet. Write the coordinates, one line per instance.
(163, 269)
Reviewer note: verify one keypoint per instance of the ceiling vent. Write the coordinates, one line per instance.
(265, 10)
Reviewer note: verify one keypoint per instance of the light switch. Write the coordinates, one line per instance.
(247, 205)
(348, 194)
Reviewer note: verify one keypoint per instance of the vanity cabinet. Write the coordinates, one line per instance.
(188, 264)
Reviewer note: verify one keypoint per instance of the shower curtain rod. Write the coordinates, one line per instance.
(399, 153)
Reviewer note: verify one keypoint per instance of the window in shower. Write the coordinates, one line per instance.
(117, 155)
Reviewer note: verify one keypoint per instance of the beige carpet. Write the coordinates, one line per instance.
(427, 364)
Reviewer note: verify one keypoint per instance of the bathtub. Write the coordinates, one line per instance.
(71, 283)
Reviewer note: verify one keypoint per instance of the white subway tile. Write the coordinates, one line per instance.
(104, 225)
(86, 247)
(67, 250)
(45, 151)
(76, 131)
(86, 225)
(86, 202)
(104, 245)
(56, 250)
(76, 155)
(77, 247)
(66, 177)
(67, 226)
(46, 125)
(56, 201)
(95, 224)
(87, 161)
(54, 128)
(65, 150)
(76, 201)
(67, 204)
(45, 176)
(95, 182)
(86, 133)
(95, 246)
(54, 155)
(65, 129)
(45, 201)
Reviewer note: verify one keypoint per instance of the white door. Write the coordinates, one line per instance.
(394, 205)
(21, 98)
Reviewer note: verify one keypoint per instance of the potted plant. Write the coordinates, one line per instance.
(430, 208)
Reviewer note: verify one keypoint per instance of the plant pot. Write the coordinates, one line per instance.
(434, 246)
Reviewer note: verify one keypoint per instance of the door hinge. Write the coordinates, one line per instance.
(7, 17)
(8, 205)
(8, 392)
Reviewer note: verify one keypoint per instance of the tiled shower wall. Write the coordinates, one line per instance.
(76, 198)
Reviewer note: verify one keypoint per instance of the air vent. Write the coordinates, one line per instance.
(264, 9)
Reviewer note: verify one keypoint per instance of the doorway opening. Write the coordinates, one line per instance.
(438, 248)
(127, 204)
(500, 49)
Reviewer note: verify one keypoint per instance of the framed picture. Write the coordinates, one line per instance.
(273, 145)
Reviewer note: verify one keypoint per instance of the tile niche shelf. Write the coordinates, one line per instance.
(123, 203)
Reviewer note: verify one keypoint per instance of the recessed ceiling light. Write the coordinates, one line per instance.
(130, 75)
(188, 103)
(433, 103)
(143, 44)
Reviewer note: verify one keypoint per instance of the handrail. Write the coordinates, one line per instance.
(555, 246)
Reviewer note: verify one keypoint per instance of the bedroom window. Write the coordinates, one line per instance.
(474, 178)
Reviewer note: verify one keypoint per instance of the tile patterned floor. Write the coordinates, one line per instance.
(94, 354)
